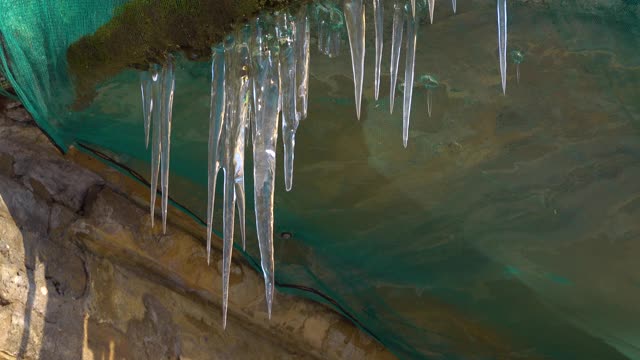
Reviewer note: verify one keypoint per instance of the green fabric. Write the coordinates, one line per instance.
(507, 229)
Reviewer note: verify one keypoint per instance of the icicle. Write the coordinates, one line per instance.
(408, 76)
(413, 8)
(355, 20)
(429, 82)
(265, 137)
(453, 5)
(302, 65)
(502, 41)
(334, 36)
(396, 42)
(244, 97)
(432, 5)
(378, 14)
(146, 82)
(216, 123)
(517, 57)
(156, 94)
(322, 16)
(168, 84)
(286, 31)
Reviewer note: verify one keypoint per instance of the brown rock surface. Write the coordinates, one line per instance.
(82, 275)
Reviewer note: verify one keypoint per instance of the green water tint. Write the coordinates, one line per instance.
(505, 229)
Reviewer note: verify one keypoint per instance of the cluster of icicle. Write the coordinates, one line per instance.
(260, 76)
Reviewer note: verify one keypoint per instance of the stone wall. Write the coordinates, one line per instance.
(83, 276)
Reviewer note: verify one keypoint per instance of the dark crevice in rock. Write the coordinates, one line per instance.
(90, 198)
(4, 302)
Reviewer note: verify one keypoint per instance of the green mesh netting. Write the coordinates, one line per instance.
(508, 228)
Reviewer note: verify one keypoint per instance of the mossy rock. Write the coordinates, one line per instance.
(144, 31)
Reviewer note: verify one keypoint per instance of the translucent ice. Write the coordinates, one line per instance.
(379, 16)
(502, 41)
(237, 61)
(243, 74)
(517, 57)
(396, 43)
(168, 86)
(355, 21)
(429, 82)
(453, 5)
(146, 82)
(302, 65)
(432, 5)
(265, 136)
(408, 76)
(156, 93)
(216, 123)
(285, 29)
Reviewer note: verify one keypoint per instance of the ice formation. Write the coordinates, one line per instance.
(412, 27)
(396, 43)
(260, 75)
(379, 25)
(502, 41)
(356, 26)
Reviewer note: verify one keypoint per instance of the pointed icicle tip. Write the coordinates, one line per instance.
(356, 26)
(432, 5)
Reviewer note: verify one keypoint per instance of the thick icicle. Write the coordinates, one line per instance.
(146, 82)
(379, 16)
(396, 43)
(156, 93)
(216, 123)
(265, 137)
(453, 5)
(432, 5)
(355, 20)
(408, 76)
(286, 31)
(243, 112)
(168, 84)
(413, 8)
(502, 41)
(230, 135)
(302, 65)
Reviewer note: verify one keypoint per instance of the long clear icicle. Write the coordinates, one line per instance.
(432, 6)
(216, 123)
(302, 66)
(229, 201)
(146, 82)
(502, 41)
(243, 113)
(408, 76)
(356, 25)
(265, 137)
(453, 5)
(378, 19)
(168, 85)
(156, 93)
(285, 29)
(396, 43)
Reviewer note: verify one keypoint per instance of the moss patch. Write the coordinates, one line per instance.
(144, 31)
